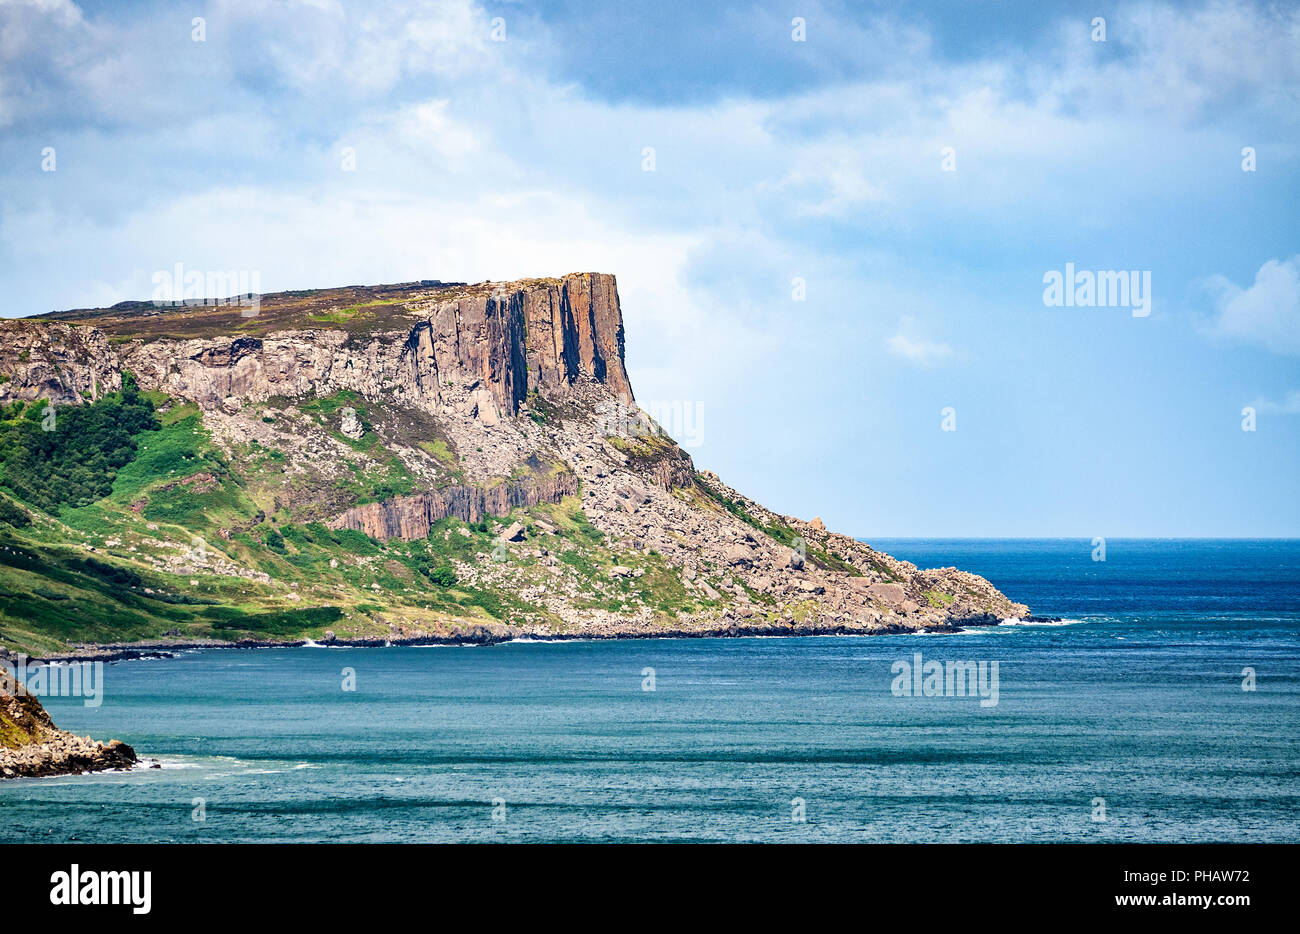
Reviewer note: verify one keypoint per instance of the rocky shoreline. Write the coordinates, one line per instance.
(486, 635)
(65, 754)
(31, 746)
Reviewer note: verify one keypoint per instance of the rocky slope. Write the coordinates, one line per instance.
(32, 746)
(318, 462)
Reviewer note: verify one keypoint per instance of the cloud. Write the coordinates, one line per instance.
(1289, 405)
(1182, 63)
(1265, 314)
(918, 350)
(827, 184)
(340, 49)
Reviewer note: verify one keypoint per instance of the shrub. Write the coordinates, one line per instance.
(73, 457)
(274, 540)
(13, 515)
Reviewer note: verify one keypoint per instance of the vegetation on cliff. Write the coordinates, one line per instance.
(57, 455)
(19, 722)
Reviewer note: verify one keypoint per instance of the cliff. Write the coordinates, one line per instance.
(494, 342)
(393, 463)
(412, 517)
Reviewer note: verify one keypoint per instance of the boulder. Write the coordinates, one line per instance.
(738, 554)
(513, 533)
(351, 426)
(890, 594)
(484, 407)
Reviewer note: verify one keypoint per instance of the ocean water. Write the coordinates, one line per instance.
(1132, 708)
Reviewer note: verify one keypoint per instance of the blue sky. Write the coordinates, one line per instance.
(773, 159)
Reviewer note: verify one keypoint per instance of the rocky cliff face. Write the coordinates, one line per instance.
(522, 337)
(480, 348)
(410, 517)
(56, 362)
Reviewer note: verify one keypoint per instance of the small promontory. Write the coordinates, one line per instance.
(32, 746)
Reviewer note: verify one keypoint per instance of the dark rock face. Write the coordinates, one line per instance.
(520, 337)
(410, 517)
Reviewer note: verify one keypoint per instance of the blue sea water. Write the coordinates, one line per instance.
(1134, 704)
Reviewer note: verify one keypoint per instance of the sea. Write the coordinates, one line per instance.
(1162, 706)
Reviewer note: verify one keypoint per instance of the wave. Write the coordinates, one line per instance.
(526, 640)
(975, 631)
(1016, 621)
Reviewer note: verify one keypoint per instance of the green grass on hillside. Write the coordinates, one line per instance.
(184, 540)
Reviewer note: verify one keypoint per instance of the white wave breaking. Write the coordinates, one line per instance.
(1016, 621)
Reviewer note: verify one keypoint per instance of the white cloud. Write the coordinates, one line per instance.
(1265, 314)
(827, 184)
(429, 129)
(916, 349)
(1288, 405)
(364, 49)
(1178, 63)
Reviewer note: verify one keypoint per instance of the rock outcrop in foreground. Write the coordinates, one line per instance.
(418, 461)
(31, 746)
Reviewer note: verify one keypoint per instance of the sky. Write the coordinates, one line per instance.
(833, 225)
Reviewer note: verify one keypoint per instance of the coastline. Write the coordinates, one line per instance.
(55, 752)
(487, 636)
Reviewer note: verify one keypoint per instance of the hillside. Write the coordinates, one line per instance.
(409, 462)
